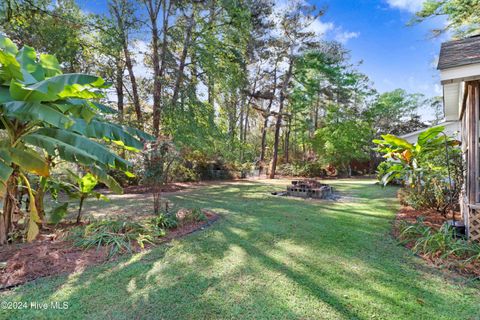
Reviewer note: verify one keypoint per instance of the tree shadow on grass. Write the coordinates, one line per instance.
(238, 267)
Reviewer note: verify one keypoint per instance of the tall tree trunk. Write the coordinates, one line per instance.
(210, 76)
(157, 81)
(119, 89)
(159, 65)
(183, 58)
(264, 138)
(133, 81)
(278, 124)
(287, 142)
(128, 61)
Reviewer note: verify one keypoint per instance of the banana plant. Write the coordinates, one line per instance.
(83, 189)
(46, 114)
(408, 156)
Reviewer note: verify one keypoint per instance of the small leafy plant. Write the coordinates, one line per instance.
(118, 236)
(165, 220)
(441, 243)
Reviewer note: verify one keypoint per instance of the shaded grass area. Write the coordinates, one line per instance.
(267, 258)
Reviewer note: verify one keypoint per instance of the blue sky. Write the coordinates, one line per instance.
(394, 55)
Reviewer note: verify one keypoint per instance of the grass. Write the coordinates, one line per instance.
(268, 258)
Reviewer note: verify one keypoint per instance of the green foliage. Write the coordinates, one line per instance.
(441, 243)
(344, 138)
(118, 236)
(463, 16)
(395, 112)
(47, 115)
(383, 170)
(431, 181)
(58, 213)
(299, 169)
(165, 221)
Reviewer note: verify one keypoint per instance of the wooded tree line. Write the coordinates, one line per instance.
(239, 80)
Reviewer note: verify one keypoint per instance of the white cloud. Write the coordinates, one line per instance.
(344, 36)
(320, 28)
(408, 5)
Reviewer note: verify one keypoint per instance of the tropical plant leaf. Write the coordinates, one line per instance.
(30, 111)
(31, 70)
(397, 141)
(57, 87)
(7, 45)
(50, 65)
(429, 134)
(105, 130)
(75, 148)
(10, 68)
(87, 183)
(5, 170)
(58, 213)
(4, 94)
(30, 161)
(108, 180)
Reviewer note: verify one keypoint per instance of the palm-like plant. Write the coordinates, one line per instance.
(408, 157)
(44, 115)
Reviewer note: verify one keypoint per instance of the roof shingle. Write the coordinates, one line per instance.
(459, 53)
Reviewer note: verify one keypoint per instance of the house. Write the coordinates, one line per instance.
(452, 128)
(459, 66)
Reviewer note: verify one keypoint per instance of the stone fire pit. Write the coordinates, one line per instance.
(308, 189)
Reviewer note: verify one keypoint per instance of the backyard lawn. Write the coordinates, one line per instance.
(268, 257)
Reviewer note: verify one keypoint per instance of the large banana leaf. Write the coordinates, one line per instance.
(397, 141)
(109, 181)
(32, 111)
(10, 68)
(101, 129)
(73, 147)
(58, 87)
(429, 134)
(7, 45)
(50, 65)
(32, 71)
(29, 160)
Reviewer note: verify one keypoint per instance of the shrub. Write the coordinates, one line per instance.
(165, 221)
(431, 169)
(181, 172)
(299, 169)
(383, 169)
(441, 243)
(117, 235)
(185, 216)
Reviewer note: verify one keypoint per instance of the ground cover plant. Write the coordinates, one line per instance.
(267, 258)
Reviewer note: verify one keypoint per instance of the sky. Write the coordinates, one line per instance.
(392, 54)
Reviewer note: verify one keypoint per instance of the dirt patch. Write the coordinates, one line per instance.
(435, 220)
(172, 187)
(49, 256)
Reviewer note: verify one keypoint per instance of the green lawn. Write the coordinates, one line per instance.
(267, 258)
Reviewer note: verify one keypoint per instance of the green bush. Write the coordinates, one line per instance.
(180, 172)
(441, 243)
(186, 216)
(165, 221)
(383, 169)
(118, 236)
(299, 169)
(431, 169)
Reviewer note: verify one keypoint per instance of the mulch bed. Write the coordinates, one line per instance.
(49, 256)
(435, 220)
